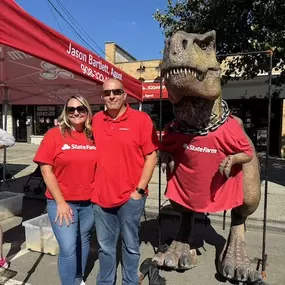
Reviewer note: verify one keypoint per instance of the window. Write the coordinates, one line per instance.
(45, 117)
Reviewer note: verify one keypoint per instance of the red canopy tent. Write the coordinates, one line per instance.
(40, 66)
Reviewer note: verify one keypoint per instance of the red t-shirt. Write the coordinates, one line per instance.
(197, 183)
(122, 145)
(73, 158)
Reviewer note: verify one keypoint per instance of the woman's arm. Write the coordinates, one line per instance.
(63, 209)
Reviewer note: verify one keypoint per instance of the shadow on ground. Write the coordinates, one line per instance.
(11, 170)
(276, 170)
(16, 235)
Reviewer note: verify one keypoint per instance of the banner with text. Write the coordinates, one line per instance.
(151, 91)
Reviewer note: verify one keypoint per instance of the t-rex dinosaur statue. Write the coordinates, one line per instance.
(211, 163)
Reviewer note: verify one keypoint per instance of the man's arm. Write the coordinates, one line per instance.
(149, 166)
(5, 139)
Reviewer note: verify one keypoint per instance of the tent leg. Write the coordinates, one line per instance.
(140, 106)
(5, 107)
(264, 255)
(159, 168)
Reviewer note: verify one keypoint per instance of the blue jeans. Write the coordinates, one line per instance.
(74, 241)
(110, 223)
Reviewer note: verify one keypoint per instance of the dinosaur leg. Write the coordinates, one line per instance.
(180, 256)
(234, 263)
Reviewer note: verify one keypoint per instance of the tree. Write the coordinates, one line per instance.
(241, 26)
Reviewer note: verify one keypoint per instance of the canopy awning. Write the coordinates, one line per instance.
(40, 66)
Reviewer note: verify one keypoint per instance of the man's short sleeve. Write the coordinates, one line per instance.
(148, 135)
(46, 151)
(235, 139)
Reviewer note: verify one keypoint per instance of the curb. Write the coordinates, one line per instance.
(217, 219)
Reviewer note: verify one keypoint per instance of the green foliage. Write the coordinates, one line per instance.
(241, 26)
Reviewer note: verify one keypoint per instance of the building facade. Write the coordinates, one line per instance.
(247, 99)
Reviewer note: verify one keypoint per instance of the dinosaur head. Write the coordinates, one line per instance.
(190, 67)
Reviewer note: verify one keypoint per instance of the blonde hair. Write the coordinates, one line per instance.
(64, 123)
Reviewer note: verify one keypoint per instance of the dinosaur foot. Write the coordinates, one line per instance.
(177, 256)
(234, 263)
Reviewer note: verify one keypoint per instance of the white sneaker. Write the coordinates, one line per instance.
(79, 281)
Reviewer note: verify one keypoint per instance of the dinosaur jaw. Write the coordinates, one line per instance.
(186, 81)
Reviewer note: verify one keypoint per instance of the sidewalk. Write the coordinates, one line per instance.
(34, 268)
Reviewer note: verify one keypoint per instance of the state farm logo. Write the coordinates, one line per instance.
(52, 72)
(80, 147)
(65, 147)
(200, 149)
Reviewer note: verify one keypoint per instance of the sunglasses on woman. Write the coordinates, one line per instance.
(79, 109)
(114, 91)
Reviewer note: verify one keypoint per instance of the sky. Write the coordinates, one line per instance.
(128, 23)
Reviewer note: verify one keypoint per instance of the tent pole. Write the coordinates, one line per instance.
(5, 107)
(159, 166)
(140, 106)
(264, 255)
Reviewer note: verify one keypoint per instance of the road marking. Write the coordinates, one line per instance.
(19, 254)
(4, 280)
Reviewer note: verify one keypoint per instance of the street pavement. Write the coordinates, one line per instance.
(40, 269)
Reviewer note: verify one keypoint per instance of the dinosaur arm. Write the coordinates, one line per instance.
(231, 160)
(241, 158)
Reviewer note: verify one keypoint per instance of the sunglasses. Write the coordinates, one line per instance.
(114, 91)
(79, 109)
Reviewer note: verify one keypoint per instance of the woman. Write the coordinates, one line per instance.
(67, 157)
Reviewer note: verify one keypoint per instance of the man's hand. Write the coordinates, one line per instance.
(167, 161)
(226, 165)
(135, 195)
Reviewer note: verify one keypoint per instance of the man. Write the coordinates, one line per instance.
(5, 141)
(126, 144)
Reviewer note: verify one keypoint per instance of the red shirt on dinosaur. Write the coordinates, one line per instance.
(196, 182)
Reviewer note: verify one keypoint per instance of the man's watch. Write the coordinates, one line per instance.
(141, 191)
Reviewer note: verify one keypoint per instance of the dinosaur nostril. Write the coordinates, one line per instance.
(184, 43)
(174, 53)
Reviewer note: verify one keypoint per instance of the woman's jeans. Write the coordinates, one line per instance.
(74, 241)
(110, 223)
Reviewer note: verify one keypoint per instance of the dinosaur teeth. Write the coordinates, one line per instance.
(185, 71)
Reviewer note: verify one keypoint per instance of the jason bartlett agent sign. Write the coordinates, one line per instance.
(101, 71)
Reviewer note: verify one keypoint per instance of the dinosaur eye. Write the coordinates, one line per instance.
(203, 46)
